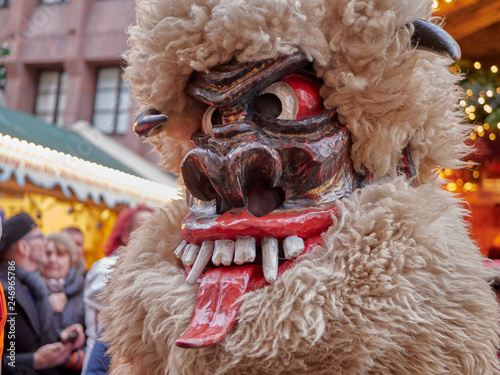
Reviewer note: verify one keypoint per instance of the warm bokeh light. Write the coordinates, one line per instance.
(469, 186)
(477, 65)
(494, 69)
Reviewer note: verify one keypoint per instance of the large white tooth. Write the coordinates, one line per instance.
(293, 247)
(180, 249)
(223, 252)
(270, 258)
(207, 248)
(190, 253)
(244, 250)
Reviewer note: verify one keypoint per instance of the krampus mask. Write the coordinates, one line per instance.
(306, 134)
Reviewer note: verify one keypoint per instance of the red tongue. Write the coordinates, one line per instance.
(216, 307)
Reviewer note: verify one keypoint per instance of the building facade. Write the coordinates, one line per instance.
(65, 65)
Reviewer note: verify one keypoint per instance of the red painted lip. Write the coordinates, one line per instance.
(239, 223)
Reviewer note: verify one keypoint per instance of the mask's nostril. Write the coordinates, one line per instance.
(197, 182)
(209, 191)
(263, 198)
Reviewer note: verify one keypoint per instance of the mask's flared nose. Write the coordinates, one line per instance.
(248, 175)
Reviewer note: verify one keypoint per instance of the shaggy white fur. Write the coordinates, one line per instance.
(397, 288)
(387, 93)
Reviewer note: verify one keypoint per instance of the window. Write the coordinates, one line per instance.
(112, 102)
(51, 96)
(46, 2)
(4, 3)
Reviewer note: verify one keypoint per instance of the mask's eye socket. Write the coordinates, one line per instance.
(294, 97)
(278, 101)
(211, 117)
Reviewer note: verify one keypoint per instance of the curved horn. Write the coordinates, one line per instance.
(149, 122)
(430, 37)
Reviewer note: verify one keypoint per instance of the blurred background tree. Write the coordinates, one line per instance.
(479, 182)
(482, 87)
(481, 105)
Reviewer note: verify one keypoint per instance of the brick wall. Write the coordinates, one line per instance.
(79, 36)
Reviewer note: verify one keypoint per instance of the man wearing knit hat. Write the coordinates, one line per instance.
(31, 342)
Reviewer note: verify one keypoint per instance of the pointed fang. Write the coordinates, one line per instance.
(206, 251)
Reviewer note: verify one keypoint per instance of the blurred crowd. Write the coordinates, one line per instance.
(52, 302)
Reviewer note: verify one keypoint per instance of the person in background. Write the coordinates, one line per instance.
(36, 346)
(78, 238)
(126, 222)
(65, 287)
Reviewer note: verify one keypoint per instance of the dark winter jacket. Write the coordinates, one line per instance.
(30, 321)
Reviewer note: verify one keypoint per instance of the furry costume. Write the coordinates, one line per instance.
(397, 286)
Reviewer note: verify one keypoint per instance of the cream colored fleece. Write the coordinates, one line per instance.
(397, 288)
(387, 93)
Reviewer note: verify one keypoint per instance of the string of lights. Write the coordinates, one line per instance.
(481, 106)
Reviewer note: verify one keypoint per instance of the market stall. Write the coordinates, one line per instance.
(64, 179)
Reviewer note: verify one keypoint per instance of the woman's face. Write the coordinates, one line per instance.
(58, 262)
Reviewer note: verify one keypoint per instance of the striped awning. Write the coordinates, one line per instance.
(51, 156)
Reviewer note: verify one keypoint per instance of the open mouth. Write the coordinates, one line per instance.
(227, 265)
(267, 240)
